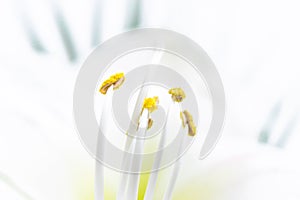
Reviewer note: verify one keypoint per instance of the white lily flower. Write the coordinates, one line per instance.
(41, 157)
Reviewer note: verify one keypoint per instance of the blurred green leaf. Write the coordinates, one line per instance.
(65, 35)
(134, 15)
(287, 132)
(267, 129)
(96, 30)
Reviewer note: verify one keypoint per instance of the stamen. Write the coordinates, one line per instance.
(133, 183)
(186, 118)
(115, 80)
(151, 105)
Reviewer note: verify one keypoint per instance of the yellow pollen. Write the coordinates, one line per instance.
(116, 80)
(177, 94)
(150, 104)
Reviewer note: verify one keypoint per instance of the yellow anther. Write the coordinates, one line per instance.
(188, 119)
(177, 94)
(116, 80)
(150, 104)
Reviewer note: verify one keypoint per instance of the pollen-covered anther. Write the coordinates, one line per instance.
(177, 94)
(187, 118)
(116, 80)
(151, 104)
